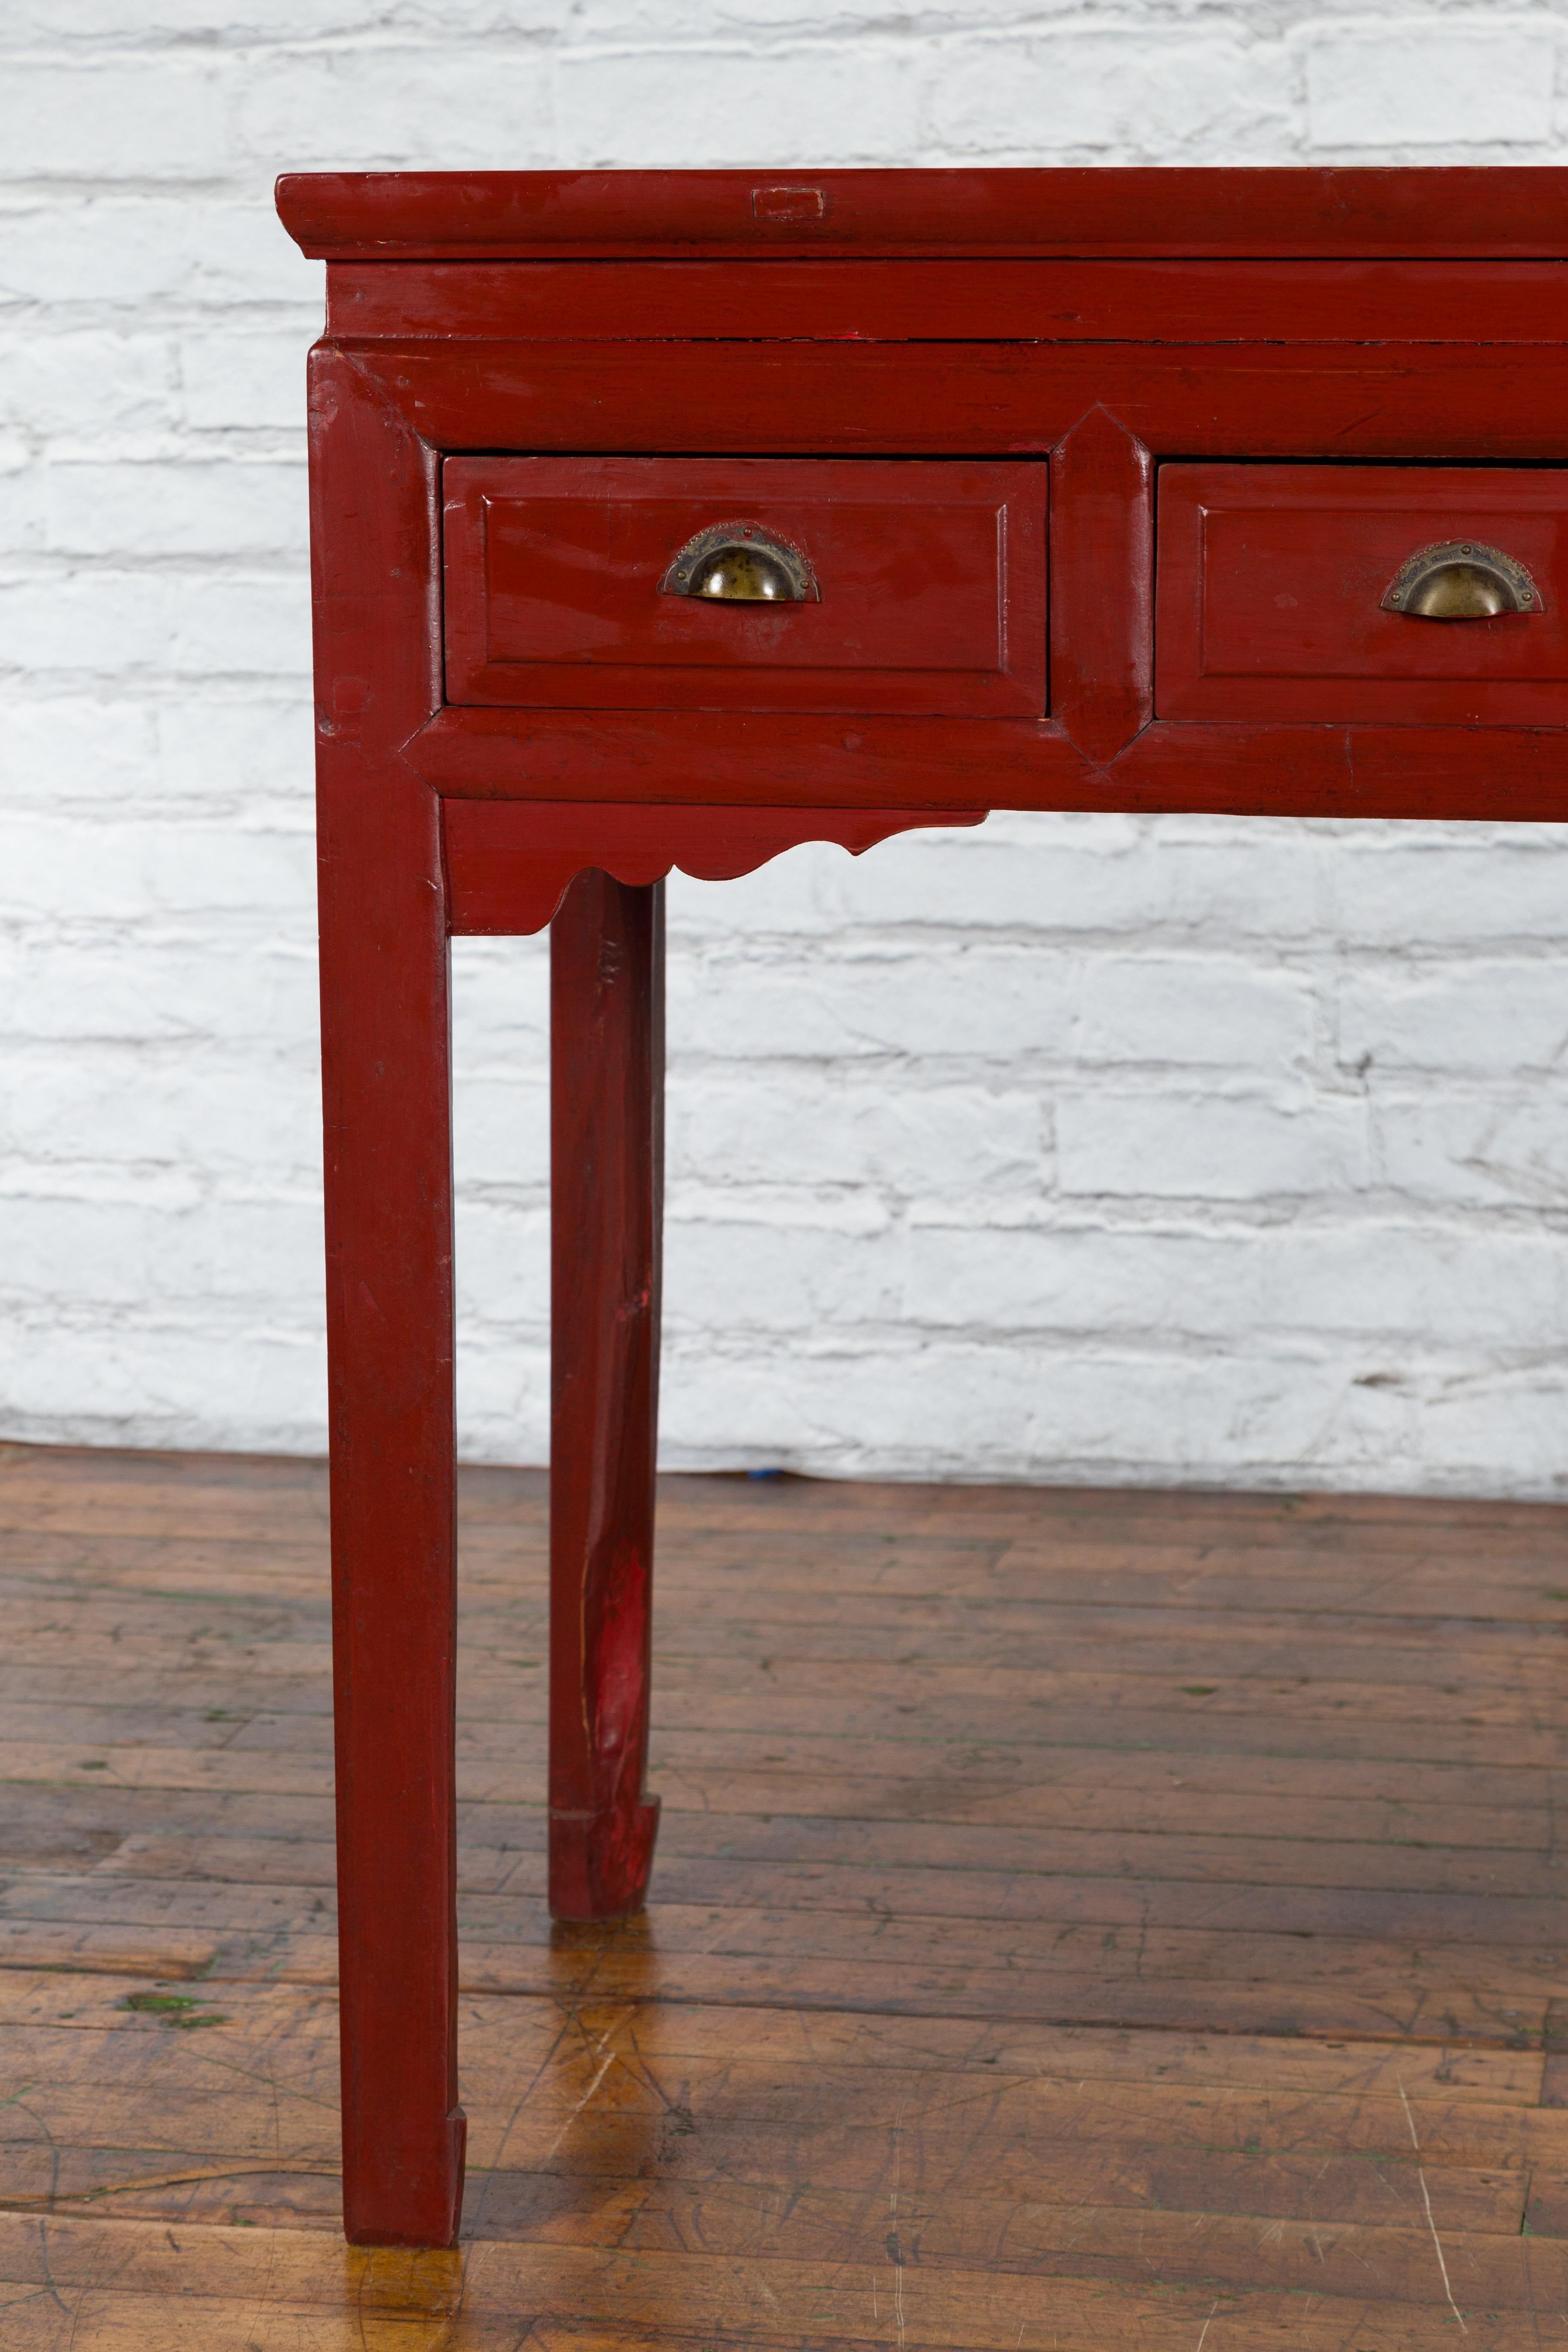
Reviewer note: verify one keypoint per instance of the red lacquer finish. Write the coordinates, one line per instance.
(1102, 567)
(509, 862)
(1091, 301)
(929, 586)
(1271, 587)
(606, 1175)
(1441, 403)
(389, 1321)
(1493, 214)
(535, 386)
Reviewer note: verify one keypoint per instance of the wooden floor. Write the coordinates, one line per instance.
(1081, 1920)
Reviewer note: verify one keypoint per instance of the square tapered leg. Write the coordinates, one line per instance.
(389, 1327)
(606, 1213)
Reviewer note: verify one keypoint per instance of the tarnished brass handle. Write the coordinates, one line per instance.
(1460, 580)
(742, 564)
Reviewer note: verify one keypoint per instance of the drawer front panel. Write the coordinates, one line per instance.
(1271, 581)
(929, 580)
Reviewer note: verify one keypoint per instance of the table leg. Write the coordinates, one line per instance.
(390, 1347)
(607, 1184)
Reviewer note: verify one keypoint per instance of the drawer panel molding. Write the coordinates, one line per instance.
(925, 586)
(1275, 589)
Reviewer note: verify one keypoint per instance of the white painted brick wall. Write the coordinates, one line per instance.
(1075, 1146)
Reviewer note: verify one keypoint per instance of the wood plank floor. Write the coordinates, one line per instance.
(1081, 1920)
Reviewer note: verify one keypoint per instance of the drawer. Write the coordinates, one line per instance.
(911, 586)
(1272, 581)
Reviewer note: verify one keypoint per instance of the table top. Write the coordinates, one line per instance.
(1461, 213)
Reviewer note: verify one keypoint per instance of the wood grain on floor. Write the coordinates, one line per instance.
(1082, 1920)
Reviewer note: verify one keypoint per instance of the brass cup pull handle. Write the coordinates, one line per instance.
(1460, 580)
(741, 563)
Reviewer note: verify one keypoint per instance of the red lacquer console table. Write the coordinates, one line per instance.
(671, 520)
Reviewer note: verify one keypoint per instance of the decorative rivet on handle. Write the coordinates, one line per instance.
(742, 564)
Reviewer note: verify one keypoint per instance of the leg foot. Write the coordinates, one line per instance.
(599, 1863)
(394, 2203)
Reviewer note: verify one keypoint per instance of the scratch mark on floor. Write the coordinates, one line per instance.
(1426, 2202)
(603, 2069)
(894, 2249)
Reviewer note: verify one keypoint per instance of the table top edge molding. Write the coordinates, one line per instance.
(1441, 212)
